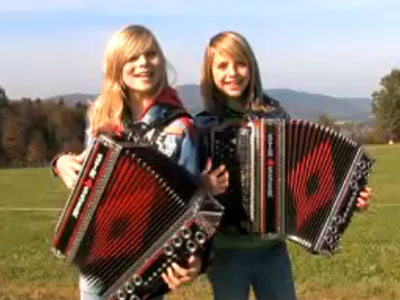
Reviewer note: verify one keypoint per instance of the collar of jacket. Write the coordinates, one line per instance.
(168, 97)
(155, 108)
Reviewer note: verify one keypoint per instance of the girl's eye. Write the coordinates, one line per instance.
(133, 58)
(241, 64)
(222, 66)
(151, 54)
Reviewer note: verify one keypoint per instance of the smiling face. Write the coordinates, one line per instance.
(143, 73)
(231, 76)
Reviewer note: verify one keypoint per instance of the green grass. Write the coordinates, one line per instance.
(30, 188)
(367, 267)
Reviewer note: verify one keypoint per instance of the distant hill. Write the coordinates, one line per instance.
(309, 106)
(299, 104)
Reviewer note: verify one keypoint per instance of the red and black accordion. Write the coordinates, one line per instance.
(291, 179)
(130, 215)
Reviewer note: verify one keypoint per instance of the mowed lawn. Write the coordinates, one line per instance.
(366, 267)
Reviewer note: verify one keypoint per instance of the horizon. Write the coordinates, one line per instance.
(335, 48)
(52, 97)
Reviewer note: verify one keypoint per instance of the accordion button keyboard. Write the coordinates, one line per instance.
(200, 237)
(186, 233)
(329, 240)
(121, 295)
(338, 220)
(168, 250)
(191, 246)
(177, 242)
(137, 280)
(129, 287)
(333, 229)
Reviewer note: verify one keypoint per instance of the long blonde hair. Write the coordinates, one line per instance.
(106, 113)
(236, 46)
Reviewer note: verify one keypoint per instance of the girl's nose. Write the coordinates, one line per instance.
(232, 70)
(142, 59)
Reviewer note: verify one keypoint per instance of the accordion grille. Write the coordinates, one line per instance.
(318, 163)
(135, 209)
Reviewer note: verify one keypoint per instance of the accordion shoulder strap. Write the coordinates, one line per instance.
(167, 115)
(158, 117)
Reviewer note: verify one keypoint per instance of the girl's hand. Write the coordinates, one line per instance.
(216, 181)
(68, 166)
(363, 200)
(176, 275)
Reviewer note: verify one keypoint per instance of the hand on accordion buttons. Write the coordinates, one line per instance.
(363, 199)
(176, 275)
(216, 181)
(68, 166)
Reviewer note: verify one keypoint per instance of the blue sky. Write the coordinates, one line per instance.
(333, 47)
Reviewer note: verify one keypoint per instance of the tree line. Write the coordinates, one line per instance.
(32, 132)
(386, 105)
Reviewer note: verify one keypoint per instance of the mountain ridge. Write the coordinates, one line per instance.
(299, 104)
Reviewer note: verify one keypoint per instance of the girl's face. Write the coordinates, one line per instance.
(231, 76)
(143, 73)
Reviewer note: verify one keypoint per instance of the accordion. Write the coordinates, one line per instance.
(130, 215)
(290, 179)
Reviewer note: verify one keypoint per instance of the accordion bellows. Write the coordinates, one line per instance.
(291, 179)
(130, 215)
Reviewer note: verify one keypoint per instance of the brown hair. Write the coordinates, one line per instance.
(234, 45)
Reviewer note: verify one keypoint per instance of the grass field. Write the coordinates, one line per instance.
(367, 267)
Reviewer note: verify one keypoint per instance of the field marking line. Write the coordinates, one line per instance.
(28, 209)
